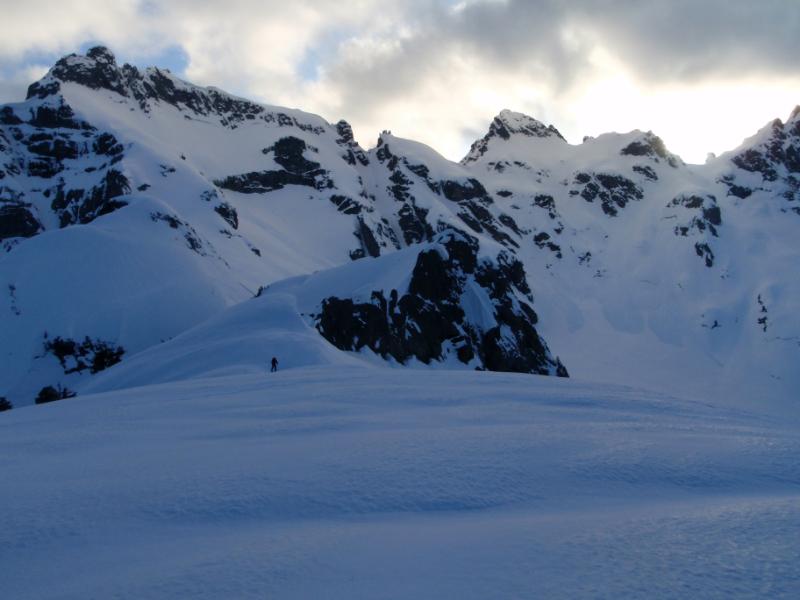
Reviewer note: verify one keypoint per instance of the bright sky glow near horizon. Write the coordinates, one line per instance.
(702, 75)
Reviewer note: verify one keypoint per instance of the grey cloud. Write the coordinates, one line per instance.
(686, 39)
(666, 42)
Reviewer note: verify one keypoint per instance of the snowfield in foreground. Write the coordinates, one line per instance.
(360, 482)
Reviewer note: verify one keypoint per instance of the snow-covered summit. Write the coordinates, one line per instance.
(507, 125)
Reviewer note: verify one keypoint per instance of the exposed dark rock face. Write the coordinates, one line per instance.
(776, 159)
(107, 145)
(734, 189)
(648, 172)
(82, 206)
(469, 190)
(699, 215)
(190, 236)
(51, 394)
(707, 214)
(288, 152)
(259, 182)
(763, 319)
(97, 70)
(613, 191)
(542, 240)
(411, 218)
(92, 355)
(8, 116)
(61, 115)
(414, 224)
(651, 146)
(45, 168)
(352, 151)
(473, 201)
(228, 212)
(703, 250)
(52, 144)
(469, 194)
(57, 147)
(545, 201)
(369, 245)
(346, 205)
(17, 220)
(779, 152)
(756, 162)
(429, 322)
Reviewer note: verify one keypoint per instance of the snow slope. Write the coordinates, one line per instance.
(400, 318)
(362, 482)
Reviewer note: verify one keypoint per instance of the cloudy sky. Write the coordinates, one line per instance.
(703, 74)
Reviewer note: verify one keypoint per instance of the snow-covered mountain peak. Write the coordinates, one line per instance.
(508, 126)
(650, 145)
(766, 164)
(135, 206)
(96, 70)
(509, 123)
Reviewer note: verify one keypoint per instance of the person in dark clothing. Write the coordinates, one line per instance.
(274, 365)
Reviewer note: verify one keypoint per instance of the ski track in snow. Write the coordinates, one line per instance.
(366, 482)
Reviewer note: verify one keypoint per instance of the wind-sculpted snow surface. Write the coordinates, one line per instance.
(135, 206)
(356, 482)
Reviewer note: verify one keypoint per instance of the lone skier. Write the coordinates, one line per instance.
(274, 364)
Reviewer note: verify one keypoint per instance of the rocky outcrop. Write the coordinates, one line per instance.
(774, 158)
(651, 146)
(437, 318)
(613, 191)
(706, 216)
(94, 355)
(353, 153)
(288, 152)
(84, 206)
(17, 219)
